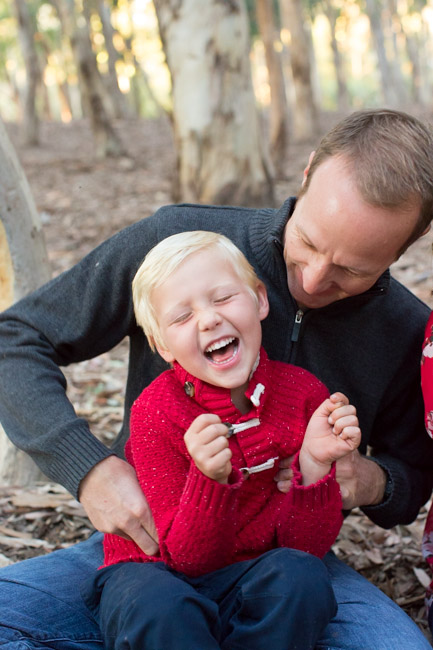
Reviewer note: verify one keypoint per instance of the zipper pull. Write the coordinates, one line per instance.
(297, 326)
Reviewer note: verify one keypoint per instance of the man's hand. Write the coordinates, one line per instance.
(206, 441)
(115, 503)
(362, 481)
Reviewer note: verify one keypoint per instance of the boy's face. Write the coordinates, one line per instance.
(209, 320)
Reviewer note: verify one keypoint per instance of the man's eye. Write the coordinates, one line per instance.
(351, 273)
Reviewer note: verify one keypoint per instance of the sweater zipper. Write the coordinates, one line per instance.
(297, 326)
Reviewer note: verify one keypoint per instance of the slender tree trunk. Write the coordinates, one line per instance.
(393, 23)
(279, 112)
(33, 72)
(374, 12)
(305, 112)
(106, 141)
(216, 128)
(343, 99)
(23, 267)
(120, 104)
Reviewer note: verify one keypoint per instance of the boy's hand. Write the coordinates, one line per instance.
(332, 432)
(207, 443)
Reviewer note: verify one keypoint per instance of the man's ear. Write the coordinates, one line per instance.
(426, 230)
(307, 169)
(165, 354)
(263, 302)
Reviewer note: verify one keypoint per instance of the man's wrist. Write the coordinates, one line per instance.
(385, 489)
(383, 484)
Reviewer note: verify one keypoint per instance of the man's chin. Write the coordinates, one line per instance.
(304, 301)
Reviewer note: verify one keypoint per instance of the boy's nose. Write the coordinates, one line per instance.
(209, 318)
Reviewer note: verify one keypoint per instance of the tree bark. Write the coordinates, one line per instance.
(305, 114)
(374, 12)
(106, 141)
(23, 267)
(120, 105)
(33, 72)
(216, 128)
(343, 99)
(279, 112)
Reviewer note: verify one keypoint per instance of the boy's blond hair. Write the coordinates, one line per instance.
(164, 258)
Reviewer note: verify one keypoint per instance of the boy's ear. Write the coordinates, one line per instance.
(263, 302)
(165, 354)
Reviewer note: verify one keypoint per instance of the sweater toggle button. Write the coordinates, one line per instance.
(246, 471)
(189, 389)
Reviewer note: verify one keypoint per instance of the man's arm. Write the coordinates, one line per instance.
(81, 314)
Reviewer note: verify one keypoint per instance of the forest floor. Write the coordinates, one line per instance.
(82, 202)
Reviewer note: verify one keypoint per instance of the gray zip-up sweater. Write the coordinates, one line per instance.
(367, 346)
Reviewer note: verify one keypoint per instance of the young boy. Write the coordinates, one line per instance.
(206, 439)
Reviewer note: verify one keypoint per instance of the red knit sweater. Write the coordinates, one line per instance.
(203, 525)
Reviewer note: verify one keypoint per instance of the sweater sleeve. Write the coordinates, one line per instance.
(311, 516)
(78, 315)
(195, 516)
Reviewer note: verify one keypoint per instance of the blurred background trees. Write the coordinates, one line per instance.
(239, 80)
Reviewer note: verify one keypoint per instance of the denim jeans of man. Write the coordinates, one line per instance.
(41, 607)
(281, 599)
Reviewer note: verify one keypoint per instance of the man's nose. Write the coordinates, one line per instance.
(316, 277)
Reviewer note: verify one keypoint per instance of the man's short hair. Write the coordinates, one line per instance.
(164, 258)
(391, 154)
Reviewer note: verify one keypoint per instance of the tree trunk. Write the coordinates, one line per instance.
(305, 112)
(279, 113)
(107, 142)
(33, 72)
(120, 104)
(343, 100)
(23, 267)
(216, 128)
(374, 12)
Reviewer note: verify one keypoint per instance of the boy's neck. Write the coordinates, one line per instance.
(240, 400)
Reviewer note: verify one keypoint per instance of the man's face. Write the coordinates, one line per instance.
(335, 244)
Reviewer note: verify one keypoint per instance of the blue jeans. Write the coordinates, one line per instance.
(282, 599)
(41, 607)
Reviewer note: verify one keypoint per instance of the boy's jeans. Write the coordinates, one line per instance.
(41, 607)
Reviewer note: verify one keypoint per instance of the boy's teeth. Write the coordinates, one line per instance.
(219, 344)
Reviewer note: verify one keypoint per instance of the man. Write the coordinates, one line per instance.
(334, 310)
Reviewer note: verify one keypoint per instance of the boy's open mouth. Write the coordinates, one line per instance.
(223, 350)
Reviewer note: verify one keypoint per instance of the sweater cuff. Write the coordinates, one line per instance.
(316, 495)
(203, 492)
(384, 513)
(76, 453)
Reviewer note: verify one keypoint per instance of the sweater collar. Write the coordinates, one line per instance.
(267, 234)
(216, 399)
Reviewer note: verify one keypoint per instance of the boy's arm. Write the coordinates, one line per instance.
(311, 516)
(332, 433)
(195, 516)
